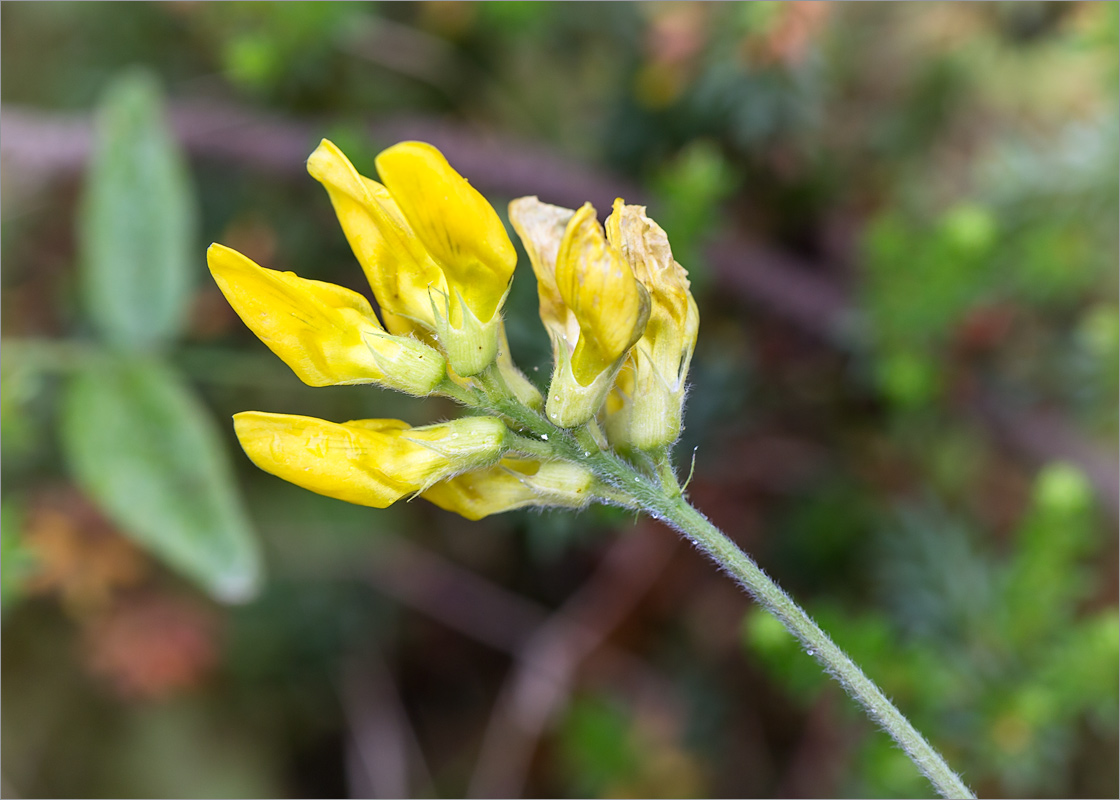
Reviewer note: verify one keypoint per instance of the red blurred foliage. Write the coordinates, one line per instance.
(151, 645)
(789, 40)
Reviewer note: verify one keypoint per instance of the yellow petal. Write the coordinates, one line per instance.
(328, 335)
(481, 493)
(397, 266)
(514, 483)
(541, 228)
(372, 462)
(650, 415)
(598, 285)
(352, 462)
(455, 223)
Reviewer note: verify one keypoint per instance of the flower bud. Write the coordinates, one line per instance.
(647, 400)
(372, 462)
(328, 335)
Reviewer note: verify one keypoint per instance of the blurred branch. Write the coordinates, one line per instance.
(546, 665)
(50, 145)
(464, 601)
(45, 145)
(457, 597)
(1043, 436)
(548, 650)
(383, 750)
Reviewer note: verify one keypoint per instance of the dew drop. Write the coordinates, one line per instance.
(586, 453)
(544, 436)
(536, 369)
(810, 652)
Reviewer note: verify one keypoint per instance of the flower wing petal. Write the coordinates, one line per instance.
(316, 328)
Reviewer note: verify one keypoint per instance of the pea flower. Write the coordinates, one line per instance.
(371, 462)
(439, 263)
(590, 302)
(434, 251)
(328, 335)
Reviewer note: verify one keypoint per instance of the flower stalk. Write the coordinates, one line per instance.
(658, 493)
(623, 325)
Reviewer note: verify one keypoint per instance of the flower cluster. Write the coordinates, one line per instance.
(439, 261)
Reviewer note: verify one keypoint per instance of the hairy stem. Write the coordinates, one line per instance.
(667, 503)
(696, 527)
(660, 496)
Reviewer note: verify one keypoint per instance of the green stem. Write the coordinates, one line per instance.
(531, 447)
(661, 497)
(665, 472)
(672, 508)
(449, 388)
(696, 527)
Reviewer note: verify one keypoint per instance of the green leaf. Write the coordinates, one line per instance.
(144, 448)
(137, 223)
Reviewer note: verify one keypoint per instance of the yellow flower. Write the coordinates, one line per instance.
(590, 301)
(397, 266)
(513, 483)
(434, 251)
(644, 410)
(328, 335)
(371, 462)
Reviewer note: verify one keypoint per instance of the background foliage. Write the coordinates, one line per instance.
(900, 220)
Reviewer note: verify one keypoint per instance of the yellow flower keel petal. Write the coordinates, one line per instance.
(400, 271)
(659, 361)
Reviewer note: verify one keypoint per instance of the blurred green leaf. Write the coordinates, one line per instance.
(690, 189)
(597, 746)
(781, 654)
(137, 225)
(141, 444)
